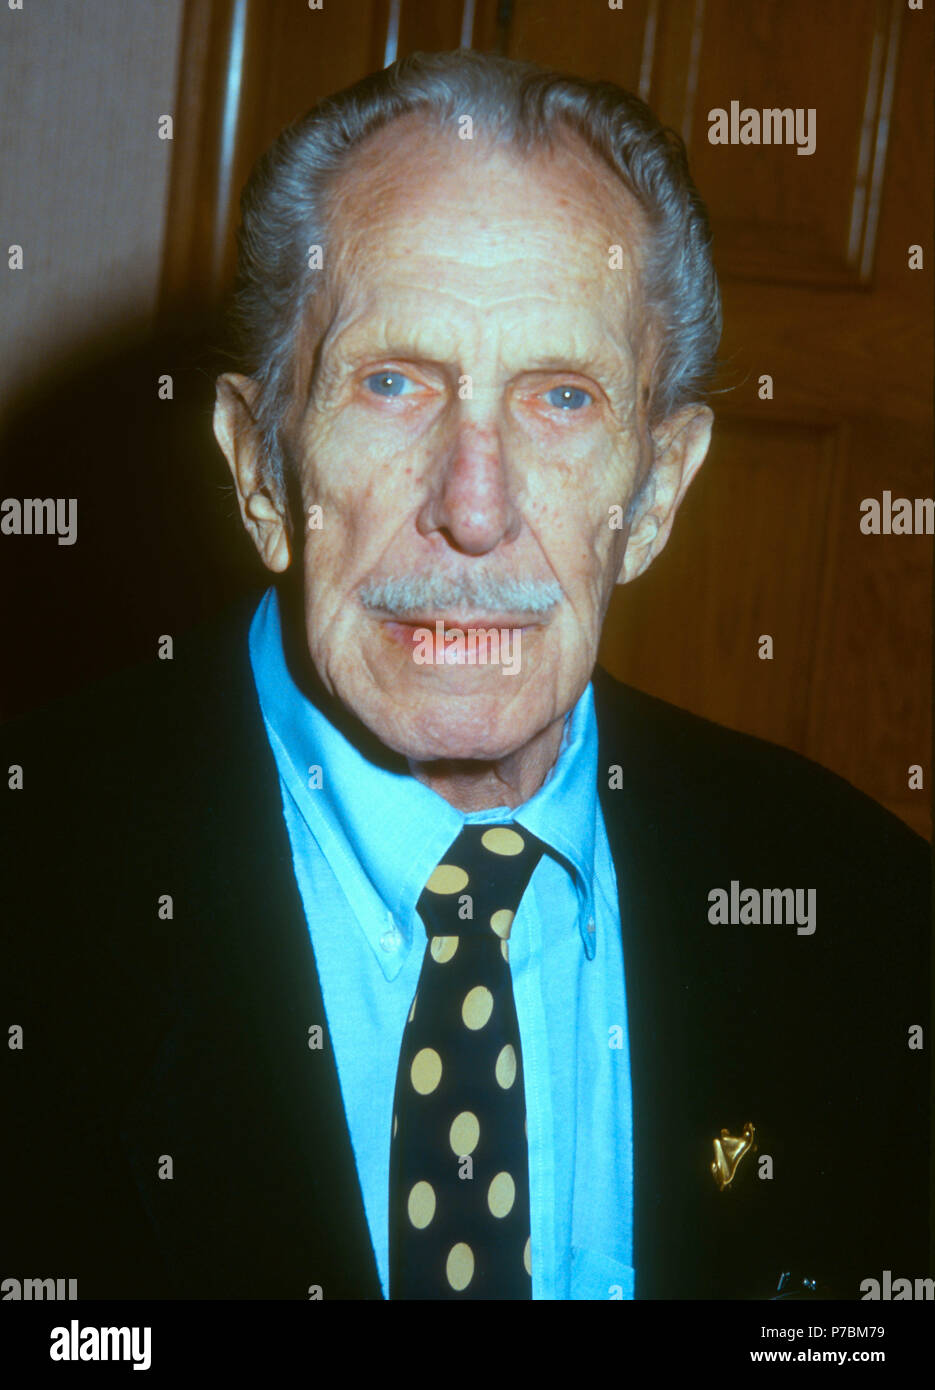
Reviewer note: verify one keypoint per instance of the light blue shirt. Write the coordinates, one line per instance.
(364, 841)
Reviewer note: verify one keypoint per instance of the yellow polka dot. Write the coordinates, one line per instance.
(421, 1204)
(501, 1194)
(447, 878)
(464, 1133)
(412, 1011)
(395, 1126)
(500, 840)
(505, 951)
(505, 1070)
(477, 1007)
(426, 1070)
(502, 922)
(527, 1258)
(443, 948)
(459, 1267)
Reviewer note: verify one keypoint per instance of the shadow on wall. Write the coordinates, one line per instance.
(158, 546)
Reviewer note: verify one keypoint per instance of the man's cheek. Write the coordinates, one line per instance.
(594, 556)
(338, 510)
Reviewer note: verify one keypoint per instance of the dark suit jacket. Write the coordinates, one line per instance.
(147, 1037)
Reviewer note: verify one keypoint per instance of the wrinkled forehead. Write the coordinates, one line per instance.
(552, 233)
(405, 164)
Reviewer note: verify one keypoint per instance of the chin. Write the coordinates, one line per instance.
(447, 731)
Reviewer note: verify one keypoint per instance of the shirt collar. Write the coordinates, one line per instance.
(383, 832)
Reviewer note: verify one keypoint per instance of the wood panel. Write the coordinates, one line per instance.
(870, 707)
(591, 40)
(247, 70)
(426, 25)
(199, 194)
(780, 216)
(694, 620)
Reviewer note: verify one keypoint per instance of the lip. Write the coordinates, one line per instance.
(422, 631)
(451, 620)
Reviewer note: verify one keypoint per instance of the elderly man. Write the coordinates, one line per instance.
(415, 957)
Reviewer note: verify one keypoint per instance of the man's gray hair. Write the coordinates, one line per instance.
(284, 208)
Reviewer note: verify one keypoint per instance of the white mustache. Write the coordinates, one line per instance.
(420, 593)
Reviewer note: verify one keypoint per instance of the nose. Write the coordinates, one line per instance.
(471, 502)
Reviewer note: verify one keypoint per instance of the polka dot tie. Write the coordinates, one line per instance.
(459, 1171)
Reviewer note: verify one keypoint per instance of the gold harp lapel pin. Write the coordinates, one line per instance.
(728, 1151)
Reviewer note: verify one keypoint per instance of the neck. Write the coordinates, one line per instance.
(477, 786)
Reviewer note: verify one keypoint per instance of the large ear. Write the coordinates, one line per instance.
(262, 509)
(680, 446)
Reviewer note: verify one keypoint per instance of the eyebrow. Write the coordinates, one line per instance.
(597, 364)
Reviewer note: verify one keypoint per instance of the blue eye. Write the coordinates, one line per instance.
(386, 383)
(567, 397)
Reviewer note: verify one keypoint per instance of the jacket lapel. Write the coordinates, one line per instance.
(693, 1055)
(251, 1117)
